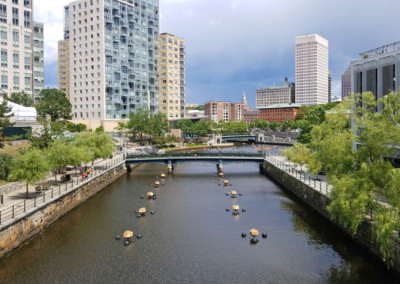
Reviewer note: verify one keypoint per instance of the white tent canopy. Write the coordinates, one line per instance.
(21, 111)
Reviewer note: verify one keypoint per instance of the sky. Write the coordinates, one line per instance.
(236, 46)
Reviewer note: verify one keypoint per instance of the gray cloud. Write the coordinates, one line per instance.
(241, 45)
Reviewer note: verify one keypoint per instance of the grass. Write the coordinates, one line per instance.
(196, 145)
(13, 149)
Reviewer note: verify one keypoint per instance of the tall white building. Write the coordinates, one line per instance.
(113, 59)
(311, 70)
(18, 46)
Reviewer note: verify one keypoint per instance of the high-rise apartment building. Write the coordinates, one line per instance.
(113, 59)
(38, 58)
(284, 94)
(172, 75)
(311, 70)
(17, 47)
(63, 66)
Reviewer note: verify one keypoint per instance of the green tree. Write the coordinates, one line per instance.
(288, 124)
(54, 103)
(185, 125)
(5, 166)
(159, 124)
(201, 107)
(29, 166)
(274, 125)
(20, 98)
(202, 128)
(121, 126)
(99, 129)
(360, 174)
(42, 137)
(261, 124)
(5, 114)
(60, 155)
(97, 145)
(139, 122)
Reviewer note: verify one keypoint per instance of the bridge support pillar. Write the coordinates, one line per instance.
(170, 167)
(273, 138)
(220, 168)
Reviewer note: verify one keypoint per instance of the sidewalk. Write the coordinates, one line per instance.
(19, 195)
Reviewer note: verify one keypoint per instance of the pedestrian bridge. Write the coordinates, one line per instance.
(237, 137)
(173, 159)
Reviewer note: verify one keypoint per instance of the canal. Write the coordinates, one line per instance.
(191, 238)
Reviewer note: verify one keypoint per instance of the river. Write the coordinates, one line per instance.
(191, 238)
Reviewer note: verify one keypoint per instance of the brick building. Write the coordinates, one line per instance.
(251, 115)
(224, 110)
(279, 112)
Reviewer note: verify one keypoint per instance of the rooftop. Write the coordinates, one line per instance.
(390, 48)
(289, 105)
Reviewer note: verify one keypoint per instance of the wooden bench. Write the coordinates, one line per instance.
(38, 189)
(45, 186)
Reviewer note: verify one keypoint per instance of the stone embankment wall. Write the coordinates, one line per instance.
(319, 202)
(21, 229)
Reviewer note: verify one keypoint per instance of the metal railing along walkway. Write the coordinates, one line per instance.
(54, 192)
(317, 185)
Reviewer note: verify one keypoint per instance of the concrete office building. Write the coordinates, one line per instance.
(377, 71)
(311, 70)
(284, 94)
(38, 58)
(172, 75)
(113, 59)
(17, 47)
(329, 86)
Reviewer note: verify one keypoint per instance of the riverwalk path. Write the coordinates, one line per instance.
(18, 195)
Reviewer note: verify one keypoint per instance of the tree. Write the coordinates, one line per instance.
(288, 124)
(360, 174)
(5, 114)
(54, 103)
(158, 124)
(42, 137)
(202, 128)
(29, 166)
(121, 126)
(185, 125)
(76, 127)
(98, 145)
(274, 125)
(261, 124)
(20, 98)
(5, 166)
(139, 122)
(99, 129)
(201, 107)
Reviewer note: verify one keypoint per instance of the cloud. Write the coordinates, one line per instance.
(234, 46)
(234, 5)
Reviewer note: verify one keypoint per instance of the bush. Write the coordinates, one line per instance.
(5, 165)
(99, 129)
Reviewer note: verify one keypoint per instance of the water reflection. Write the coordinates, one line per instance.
(191, 238)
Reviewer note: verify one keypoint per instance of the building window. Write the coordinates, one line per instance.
(27, 40)
(4, 79)
(16, 59)
(27, 81)
(27, 61)
(4, 58)
(15, 38)
(15, 16)
(16, 81)
(3, 14)
(27, 19)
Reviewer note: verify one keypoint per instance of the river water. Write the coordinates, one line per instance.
(191, 238)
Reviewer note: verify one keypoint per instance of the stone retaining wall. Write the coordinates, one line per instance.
(21, 229)
(319, 202)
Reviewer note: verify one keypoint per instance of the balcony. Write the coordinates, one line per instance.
(115, 38)
(108, 18)
(130, 11)
(124, 63)
(110, 84)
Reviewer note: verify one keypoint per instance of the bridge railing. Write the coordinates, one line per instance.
(196, 154)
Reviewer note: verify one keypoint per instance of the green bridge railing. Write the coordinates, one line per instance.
(197, 154)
